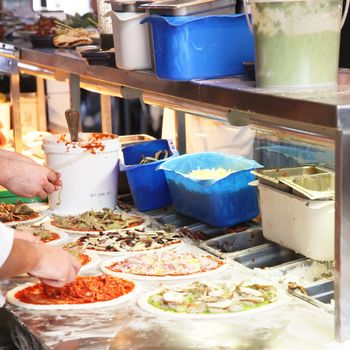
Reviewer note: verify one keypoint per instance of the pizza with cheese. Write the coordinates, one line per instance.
(95, 221)
(130, 241)
(211, 299)
(85, 292)
(163, 265)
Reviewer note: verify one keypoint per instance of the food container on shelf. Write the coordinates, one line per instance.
(190, 7)
(149, 187)
(89, 171)
(200, 47)
(273, 177)
(218, 202)
(126, 140)
(131, 39)
(303, 225)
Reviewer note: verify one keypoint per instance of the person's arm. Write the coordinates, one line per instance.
(9, 155)
(28, 179)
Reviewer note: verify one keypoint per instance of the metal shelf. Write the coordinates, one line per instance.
(326, 112)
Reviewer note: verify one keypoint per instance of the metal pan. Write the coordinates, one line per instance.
(191, 7)
(128, 6)
(272, 177)
(318, 186)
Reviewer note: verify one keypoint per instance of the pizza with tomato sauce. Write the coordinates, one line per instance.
(162, 266)
(45, 235)
(86, 292)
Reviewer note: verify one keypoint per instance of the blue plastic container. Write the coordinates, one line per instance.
(224, 202)
(148, 187)
(200, 47)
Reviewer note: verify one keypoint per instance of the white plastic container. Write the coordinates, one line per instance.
(89, 170)
(131, 40)
(302, 225)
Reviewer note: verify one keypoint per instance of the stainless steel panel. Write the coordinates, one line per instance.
(268, 256)
(191, 7)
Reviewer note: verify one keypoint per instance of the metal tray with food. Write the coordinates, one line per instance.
(317, 186)
(232, 244)
(272, 177)
(320, 294)
(190, 7)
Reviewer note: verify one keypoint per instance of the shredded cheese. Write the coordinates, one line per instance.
(210, 174)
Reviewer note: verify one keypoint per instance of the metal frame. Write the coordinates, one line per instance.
(322, 112)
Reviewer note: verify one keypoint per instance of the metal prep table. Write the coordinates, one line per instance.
(326, 113)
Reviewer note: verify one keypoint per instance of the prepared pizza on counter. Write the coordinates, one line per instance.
(41, 232)
(129, 241)
(103, 220)
(206, 299)
(18, 212)
(84, 293)
(172, 265)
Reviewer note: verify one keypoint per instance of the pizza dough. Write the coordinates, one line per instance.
(171, 265)
(13, 295)
(217, 299)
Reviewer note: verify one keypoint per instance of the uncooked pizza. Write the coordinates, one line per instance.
(84, 293)
(87, 259)
(103, 220)
(12, 213)
(129, 241)
(41, 232)
(166, 265)
(214, 299)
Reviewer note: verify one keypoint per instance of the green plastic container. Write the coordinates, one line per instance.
(10, 198)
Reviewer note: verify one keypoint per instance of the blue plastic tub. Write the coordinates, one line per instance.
(200, 47)
(149, 187)
(224, 202)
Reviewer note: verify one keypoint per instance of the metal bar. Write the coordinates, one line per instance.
(74, 91)
(342, 237)
(41, 104)
(106, 114)
(16, 111)
(180, 122)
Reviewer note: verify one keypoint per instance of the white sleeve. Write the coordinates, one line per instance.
(6, 241)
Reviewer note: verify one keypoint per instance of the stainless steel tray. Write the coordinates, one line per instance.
(317, 186)
(232, 244)
(191, 7)
(268, 256)
(272, 177)
(128, 6)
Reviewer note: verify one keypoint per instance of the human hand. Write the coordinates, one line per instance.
(27, 236)
(16, 156)
(56, 267)
(29, 179)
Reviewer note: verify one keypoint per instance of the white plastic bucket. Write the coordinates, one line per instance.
(89, 170)
(131, 41)
(297, 42)
(302, 225)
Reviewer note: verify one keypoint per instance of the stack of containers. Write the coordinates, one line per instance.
(131, 39)
(298, 208)
(198, 39)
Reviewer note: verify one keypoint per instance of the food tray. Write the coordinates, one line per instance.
(318, 186)
(233, 243)
(272, 177)
(268, 256)
(190, 7)
(221, 202)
